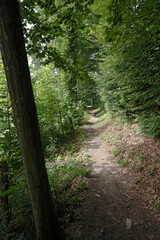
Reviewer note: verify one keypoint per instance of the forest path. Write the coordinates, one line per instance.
(110, 209)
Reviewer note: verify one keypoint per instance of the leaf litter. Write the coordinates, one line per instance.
(123, 188)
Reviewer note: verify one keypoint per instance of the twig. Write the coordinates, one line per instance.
(126, 195)
(116, 220)
(148, 236)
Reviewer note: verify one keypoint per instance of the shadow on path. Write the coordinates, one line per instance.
(111, 211)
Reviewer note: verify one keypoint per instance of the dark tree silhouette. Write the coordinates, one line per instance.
(19, 83)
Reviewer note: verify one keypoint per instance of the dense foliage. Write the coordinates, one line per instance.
(100, 53)
(128, 77)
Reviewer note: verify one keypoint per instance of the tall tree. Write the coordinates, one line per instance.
(18, 78)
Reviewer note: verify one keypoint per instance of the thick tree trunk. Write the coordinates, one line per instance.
(18, 78)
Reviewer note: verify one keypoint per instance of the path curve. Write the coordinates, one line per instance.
(111, 211)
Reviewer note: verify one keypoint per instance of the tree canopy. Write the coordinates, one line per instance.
(84, 53)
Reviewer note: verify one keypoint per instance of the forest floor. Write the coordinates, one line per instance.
(122, 200)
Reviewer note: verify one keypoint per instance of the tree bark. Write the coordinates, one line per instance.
(19, 83)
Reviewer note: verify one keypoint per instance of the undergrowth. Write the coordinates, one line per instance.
(66, 180)
(66, 172)
(135, 152)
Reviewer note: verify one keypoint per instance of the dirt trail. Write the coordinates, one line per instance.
(110, 209)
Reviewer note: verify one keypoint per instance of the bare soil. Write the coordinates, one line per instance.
(116, 205)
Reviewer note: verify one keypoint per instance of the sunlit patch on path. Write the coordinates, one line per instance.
(110, 209)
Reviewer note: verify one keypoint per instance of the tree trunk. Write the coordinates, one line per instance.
(19, 83)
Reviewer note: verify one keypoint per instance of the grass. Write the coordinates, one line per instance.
(80, 187)
(71, 147)
(121, 161)
(151, 169)
(138, 180)
(137, 167)
(62, 175)
(130, 155)
(113, 136)
(140, 157)
(66, 174)
(104, 119)
(158, 205)
(118, 136)
(116, 152)
(86, 158)
(123, 150)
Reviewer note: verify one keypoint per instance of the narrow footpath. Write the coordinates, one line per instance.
(111, 211)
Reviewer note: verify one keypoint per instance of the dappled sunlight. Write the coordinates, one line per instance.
(111, 207)
(101, 161)
(137, 158)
